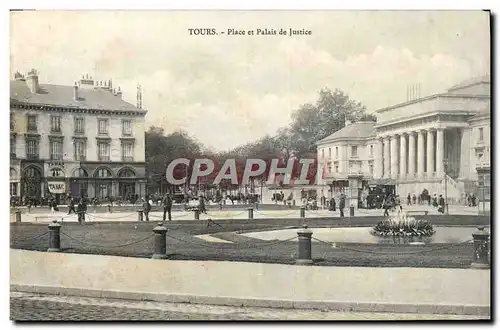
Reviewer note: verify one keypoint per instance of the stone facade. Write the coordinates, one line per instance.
(418, 144)
(82, 140)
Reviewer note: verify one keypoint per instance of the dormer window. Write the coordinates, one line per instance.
(481, 134)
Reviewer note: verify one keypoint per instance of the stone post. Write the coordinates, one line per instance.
(18, 215)
(250, 213)
(196, 213)
(302, 211)
(351, 211)
(54, 237)
(140, 215)
(480, 259)
(160, 233)
(256, 205)
(305, 251)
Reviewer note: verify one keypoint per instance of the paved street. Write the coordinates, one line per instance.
(33, 307)
(45, 216)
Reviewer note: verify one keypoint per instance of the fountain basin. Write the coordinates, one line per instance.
(443, 235)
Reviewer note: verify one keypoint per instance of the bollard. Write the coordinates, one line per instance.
(250, 213)
(18, 215)
(351, 211)
(304, 247)
(302, 212)
(140, 215)
(160, 242)
(54, 237)
(196, 213)
(480, 256)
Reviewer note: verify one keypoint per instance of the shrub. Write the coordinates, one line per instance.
(402, 225)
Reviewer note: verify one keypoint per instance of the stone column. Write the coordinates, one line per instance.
(387, 157)
(402, 158)
(430, 153)
(411, 155)
(379, 159)
(440, 152)
(420, 153)
(394, 157)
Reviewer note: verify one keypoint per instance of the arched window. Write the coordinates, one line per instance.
(126, 173)
(32, 173)
(80, 173)
(103, 173)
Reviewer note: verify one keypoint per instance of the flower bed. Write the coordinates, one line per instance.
(402, 225)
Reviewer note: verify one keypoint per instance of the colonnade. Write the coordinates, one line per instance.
(411, 155)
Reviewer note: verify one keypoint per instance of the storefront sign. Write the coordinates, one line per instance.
(57, 187)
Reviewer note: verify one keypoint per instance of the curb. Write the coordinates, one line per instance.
(368, 307)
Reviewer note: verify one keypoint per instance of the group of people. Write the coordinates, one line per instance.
(166, 203)
(332, 206)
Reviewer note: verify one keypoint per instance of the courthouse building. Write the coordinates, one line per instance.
(415, 145)
(84, 139)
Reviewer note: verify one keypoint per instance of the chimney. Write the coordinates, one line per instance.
(75, 92)
(32, 81)
(119, 92)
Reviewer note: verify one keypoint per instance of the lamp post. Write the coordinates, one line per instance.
(445, 165)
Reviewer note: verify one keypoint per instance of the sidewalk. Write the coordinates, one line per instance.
(401, 290)
(225, 214)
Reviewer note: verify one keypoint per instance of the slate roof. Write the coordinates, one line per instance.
(472, 81)
(60, 95)
(359, 130)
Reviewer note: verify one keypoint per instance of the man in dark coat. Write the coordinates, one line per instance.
(167, 207)
(80, 209)
(332, 205)
(202, 206)
(441, 204)
(146, 208)
(342, 205)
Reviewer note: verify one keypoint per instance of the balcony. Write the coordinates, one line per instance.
(32, 156)
(103, 158)
(127, 159)
(32, 129)
(80, 157)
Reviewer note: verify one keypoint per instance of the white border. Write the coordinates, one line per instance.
(182, 5)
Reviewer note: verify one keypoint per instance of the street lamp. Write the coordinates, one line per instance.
(445, 165)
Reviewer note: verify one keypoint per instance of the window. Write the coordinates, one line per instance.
(354, 151)
(103, 126)
(80, 151)
(102, 190)
(329, 152)
(55, 124)
(56, 149)
(329, 168)
(126, 127)
(371, 151)
(13, 146)
(103, 151)
(336, 169)
(32, 149)
(336, 152)
(13, 189)
(371, 169)
(127, 152)
(79, 125)
(32, 123)
(323, 153)
(481, 134)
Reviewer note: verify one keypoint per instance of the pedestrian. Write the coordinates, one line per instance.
(71, 206)
(386, 206)
(202, 206)
(80, 209)
(332, 206)
(167, 207)
(409, 199)
(414, 199)
(146, 208)
(441, 204)
(342, 205)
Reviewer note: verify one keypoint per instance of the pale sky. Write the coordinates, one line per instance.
(228, 90)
